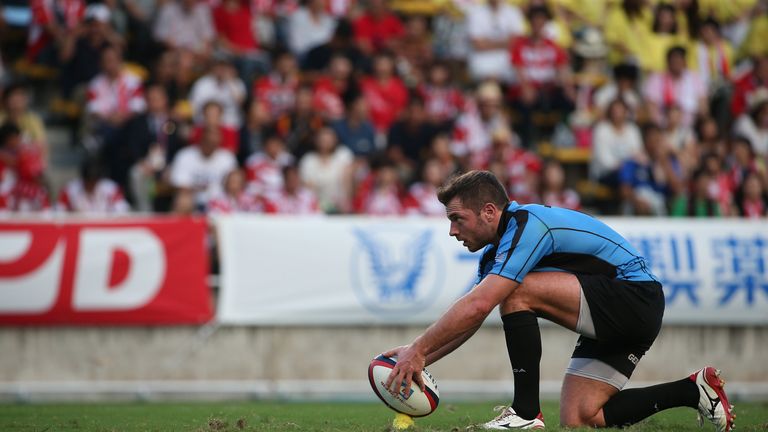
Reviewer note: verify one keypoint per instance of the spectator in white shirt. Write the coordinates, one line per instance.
(614, 140)
(222, 85)
(753, 124)
(186, 25)
(200, 169)
(309, 27)
(92, 193)
(326, 171)
(491, 27)
(114, 95)
(676, 86)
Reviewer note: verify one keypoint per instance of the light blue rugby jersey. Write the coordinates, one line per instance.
(541, 238)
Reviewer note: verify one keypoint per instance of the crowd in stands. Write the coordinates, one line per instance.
(368, 106)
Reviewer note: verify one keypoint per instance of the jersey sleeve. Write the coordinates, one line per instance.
(526, 241)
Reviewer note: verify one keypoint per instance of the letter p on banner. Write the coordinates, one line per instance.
(134, 271)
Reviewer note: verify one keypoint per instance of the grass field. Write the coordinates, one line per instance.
(271, 416)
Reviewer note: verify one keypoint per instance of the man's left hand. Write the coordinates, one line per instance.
(410, 362)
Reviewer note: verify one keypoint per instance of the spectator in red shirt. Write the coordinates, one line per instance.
(278, 89)
(294, 198)
(21, 174)
(235, 198)
(378, 29)
(52, 22)
(92, 193)
(443, 101)
(422, 195)
(333, 88)
(752, 198)
(520, 167)
(264, 169)
(381, 193)
(553, 190)
(212, 118)
(385, 93)
(233, 22)
(749, 83)
(543, 74)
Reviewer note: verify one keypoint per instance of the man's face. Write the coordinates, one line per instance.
(469, 226)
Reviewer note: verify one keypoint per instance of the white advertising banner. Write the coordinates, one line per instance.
(353, 271)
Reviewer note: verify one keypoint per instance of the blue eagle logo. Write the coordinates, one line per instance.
(396, 279)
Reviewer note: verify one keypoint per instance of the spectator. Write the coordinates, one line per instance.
(151, 141)
(628, 17)
(650, 178)
(309, 27)
(742, 161)
(173, 70)
(257, 125)
(114, 95)
(15, 109)
(415, 52)
(697, 202)
(410, 137)
(753, 80)
(293, 198)
(378, 29)
(472, 130)
(356, 131)
(92, 193)
(198, 171)
(326, 171)
(720, 188)
(623, 86)
(553, 191)
(264, 170)
(222, 85)
(235, 198)
(751, 198)
(440, 151)
(237, 38)
(21, 170)
(140, 14)
(332, 89)
(713, 57)
(341, 43)
(544, 78)
(614, 140)
(491, 27)
(676, 86)
(381, 193)
(665, 34)
(186, 25)
(278, 89)
(753, 125)
(385, 93)
(443, 101)
(82, 48)
(213, 117)
(52, 22)
(521, 168)
(299, 126)
(709, 137)
(422, 195)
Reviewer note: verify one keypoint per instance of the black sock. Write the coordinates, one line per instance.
(630, 406)
(521, 330)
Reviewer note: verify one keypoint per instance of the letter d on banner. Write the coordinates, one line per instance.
(138, 280)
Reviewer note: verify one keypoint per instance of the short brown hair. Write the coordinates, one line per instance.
(474, 189)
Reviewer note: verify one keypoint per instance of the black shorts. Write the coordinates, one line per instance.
(627, 318)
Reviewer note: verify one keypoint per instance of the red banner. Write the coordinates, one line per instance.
(137, 271)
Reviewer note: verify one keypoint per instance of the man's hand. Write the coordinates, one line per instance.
(410, 362)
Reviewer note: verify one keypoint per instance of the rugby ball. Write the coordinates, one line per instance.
(413, 401)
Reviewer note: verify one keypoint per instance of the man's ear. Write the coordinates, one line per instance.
(489, 212)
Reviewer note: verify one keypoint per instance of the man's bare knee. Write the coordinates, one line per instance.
(581, 419)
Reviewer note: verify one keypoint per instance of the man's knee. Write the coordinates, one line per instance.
(582, 418)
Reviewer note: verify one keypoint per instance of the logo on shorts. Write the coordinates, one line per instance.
(633, 359)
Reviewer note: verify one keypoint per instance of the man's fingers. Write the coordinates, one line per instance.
(419, 379)
(407, 384)
(391, 378)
